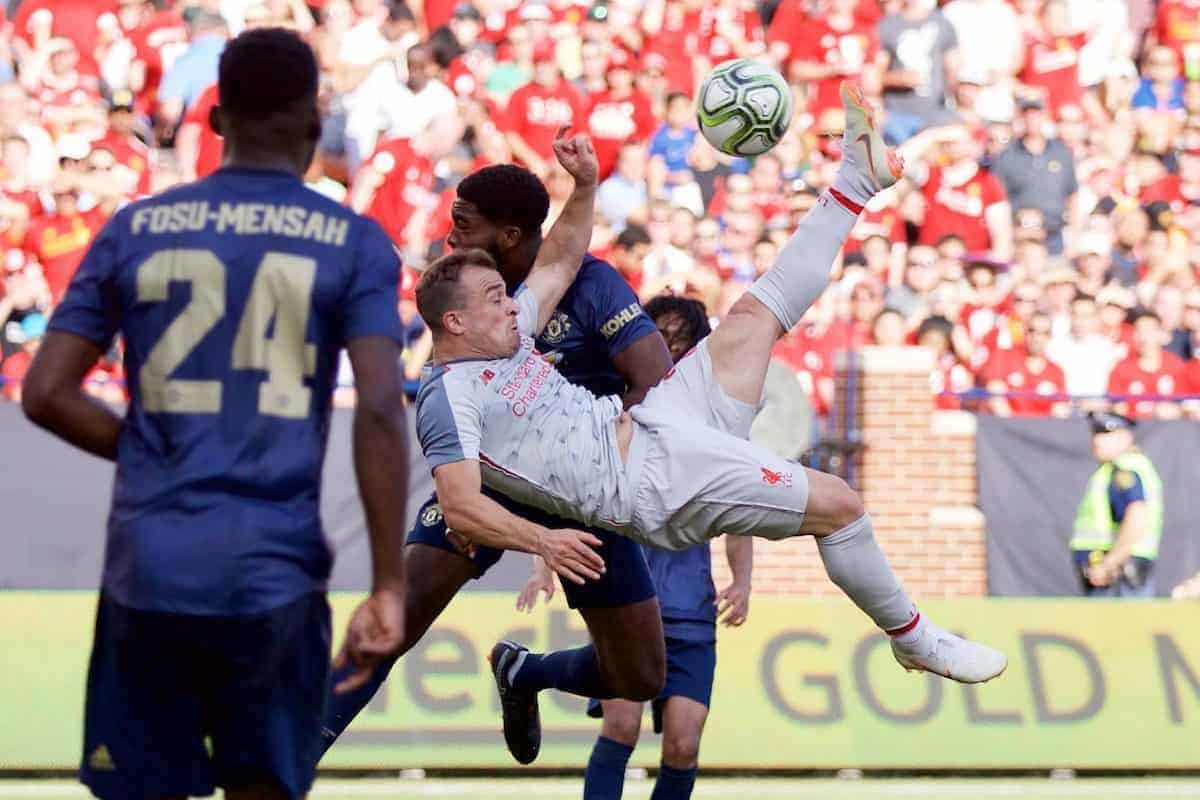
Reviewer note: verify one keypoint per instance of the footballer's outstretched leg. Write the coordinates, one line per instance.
(741, 347)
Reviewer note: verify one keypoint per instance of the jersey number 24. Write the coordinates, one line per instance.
(282, 291)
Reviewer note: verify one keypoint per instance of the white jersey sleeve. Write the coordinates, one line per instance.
(527, 311)
(449, 420)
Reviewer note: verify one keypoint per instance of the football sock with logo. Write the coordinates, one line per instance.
(801, 272)
(605, 775)
(341, 709)
(674, 784)
(573, 671)
(855, 563)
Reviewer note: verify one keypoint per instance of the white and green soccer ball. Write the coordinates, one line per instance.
(744, 107)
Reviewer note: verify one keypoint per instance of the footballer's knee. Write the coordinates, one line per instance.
(681, 749)
(639, 679)
(622, 722)
(832, 504)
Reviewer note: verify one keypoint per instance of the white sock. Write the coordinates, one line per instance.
(801, 271)
(854, 181)
(855, 563)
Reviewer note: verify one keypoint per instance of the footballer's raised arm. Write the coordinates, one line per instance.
(561, 254)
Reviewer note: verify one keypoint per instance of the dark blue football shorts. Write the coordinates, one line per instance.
(159, 684)
(626, 579)
(691, 667)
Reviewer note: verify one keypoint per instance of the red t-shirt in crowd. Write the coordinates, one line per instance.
(677, 42)
(950, 375)
(1191, 371)
(1128, 378)
(130, 152)
(157, 42)
(13, 372)
(208, 156)
(885, 222)
(59, 242)
(1178, 24)
(818, 41)
(82, 89)
(407, 184)
(713, 44)
(1011, 367)
(536, 112)
(959, 208)
(809, 353)
(26, 197)
(72, 19)
(1052, 64)
(981, 319)
(613, 121)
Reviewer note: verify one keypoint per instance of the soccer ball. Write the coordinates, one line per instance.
(744, 107)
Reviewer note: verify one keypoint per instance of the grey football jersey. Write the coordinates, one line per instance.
(539, 439)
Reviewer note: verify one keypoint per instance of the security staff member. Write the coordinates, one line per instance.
(1118, 525)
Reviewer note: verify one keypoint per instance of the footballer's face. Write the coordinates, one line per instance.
(489, 315)
(472, 230)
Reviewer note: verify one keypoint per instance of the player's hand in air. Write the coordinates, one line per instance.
(571, 554)
(733, 605)
(374, 634)
(541, 579)
(577, 157)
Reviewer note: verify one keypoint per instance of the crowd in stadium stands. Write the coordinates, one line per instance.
(1044, 244)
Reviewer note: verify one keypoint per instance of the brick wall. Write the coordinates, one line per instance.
(916, 474)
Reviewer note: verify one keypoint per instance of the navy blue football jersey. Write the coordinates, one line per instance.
(596, 320)
(233, 296)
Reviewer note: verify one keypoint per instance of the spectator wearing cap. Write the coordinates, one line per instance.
(621, 113)
(1023, 382)
(920, 66)
(1058, 290)
(195, 69)
(1118, 523)
(1148, 372)
(822, 50)
(1114, 303)
(1093, 261)
(959, 196)
(1039, 172)
(538, 109)
(119, 139)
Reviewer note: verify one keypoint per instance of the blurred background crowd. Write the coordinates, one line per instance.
(1044, 244)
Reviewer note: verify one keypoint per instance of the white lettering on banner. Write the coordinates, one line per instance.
(242, 219)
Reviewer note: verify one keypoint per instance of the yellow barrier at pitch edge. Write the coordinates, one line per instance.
(806, 684)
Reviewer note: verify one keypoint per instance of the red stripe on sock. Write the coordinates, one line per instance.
(912, 623)
(846, 202)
